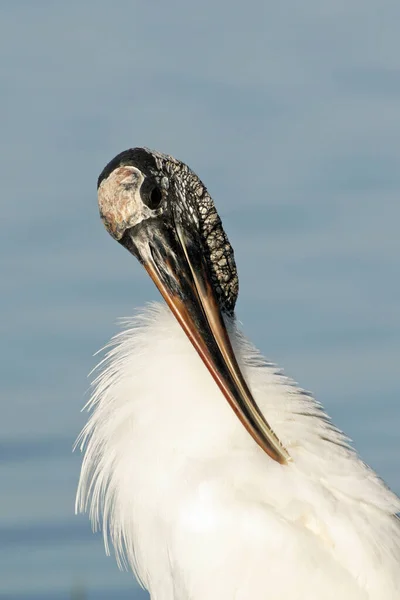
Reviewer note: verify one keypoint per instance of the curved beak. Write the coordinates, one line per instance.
(173, 256)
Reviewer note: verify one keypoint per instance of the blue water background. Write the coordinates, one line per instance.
(290, 112)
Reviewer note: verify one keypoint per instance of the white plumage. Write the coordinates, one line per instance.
(199, 511)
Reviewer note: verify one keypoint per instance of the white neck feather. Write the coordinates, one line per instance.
(156, 410)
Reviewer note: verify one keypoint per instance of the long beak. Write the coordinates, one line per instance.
(173, 257)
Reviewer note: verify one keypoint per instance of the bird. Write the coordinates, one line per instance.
(212, 474)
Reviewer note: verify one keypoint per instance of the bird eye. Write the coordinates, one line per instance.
(155, 198)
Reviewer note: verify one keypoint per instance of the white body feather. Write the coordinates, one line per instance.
(199, 511)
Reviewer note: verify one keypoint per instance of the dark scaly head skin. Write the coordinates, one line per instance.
(167, 185)
(160, 211)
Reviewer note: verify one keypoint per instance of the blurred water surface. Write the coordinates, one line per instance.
(291, 115)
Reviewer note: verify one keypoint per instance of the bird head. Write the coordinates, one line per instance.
(158, 208)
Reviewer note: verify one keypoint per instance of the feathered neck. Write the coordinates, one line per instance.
(155, 409)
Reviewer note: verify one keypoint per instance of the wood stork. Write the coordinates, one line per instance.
(258, 497)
